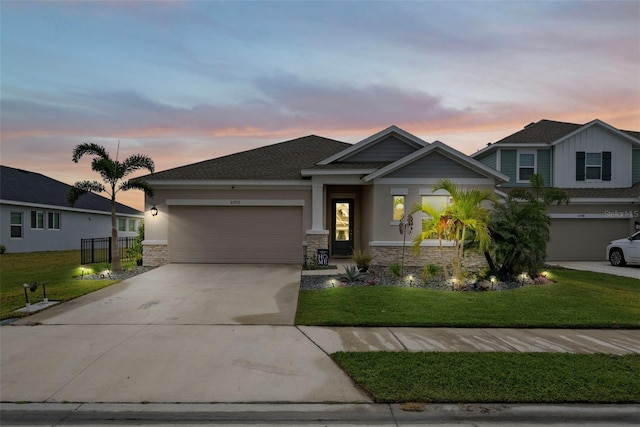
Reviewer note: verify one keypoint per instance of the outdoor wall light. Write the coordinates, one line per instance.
(154, 211)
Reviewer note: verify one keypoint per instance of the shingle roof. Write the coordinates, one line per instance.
(281, 161)
(604, 193)
(594, 193)
(18, 185)
(546, 132)
(350, 166)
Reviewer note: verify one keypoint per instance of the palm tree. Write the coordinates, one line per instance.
(520, 232)
(463, 214)
(435, 225)
(113, 174)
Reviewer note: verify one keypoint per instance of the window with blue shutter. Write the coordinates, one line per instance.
(606, 165)
(580, 158)
(593, 166)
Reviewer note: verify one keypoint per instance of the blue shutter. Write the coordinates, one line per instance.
(580, 159)
(606, 165)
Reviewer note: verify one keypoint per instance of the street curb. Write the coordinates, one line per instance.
(119, 413)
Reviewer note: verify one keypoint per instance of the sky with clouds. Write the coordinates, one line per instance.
(185, 81)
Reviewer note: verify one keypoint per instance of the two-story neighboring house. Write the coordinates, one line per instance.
(597, 164)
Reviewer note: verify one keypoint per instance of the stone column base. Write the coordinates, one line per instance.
(155, 255)
(315, 241)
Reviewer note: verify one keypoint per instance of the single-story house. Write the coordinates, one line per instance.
(283, 202)
(35, 216)
(595, 163)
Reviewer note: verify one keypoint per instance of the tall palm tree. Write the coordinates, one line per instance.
(435, 225)
(463, 214)
(113, 173)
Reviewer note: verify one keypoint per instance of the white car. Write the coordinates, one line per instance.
(622, 251)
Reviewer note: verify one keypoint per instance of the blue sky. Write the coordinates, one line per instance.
(184, 81)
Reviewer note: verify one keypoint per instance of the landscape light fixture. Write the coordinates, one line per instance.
(154, 211)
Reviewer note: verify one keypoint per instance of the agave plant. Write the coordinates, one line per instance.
(351, 274)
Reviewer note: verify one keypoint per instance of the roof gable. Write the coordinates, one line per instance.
(281, 161)
(17, 185)
(387, 145)
(440, 161)
(626, 135)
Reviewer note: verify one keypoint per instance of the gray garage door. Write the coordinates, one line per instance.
(259, 235)
(583, 239)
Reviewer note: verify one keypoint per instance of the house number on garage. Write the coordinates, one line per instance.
(234, 202)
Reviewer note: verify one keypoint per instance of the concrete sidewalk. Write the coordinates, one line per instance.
(332, 339)
(239, 363)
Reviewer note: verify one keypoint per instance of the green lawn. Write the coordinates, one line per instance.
(576, 299)
(57, 269)
(495, 377)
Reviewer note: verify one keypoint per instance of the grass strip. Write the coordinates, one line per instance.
(56, 268)
(393, 377)
(576, 299)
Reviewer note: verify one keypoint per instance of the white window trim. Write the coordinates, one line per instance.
(535, 164)
(21, 225)
(398, 192)
(586, 166)
(43, 219)
(54, 213)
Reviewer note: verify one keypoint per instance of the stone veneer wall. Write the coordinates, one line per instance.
(387, 255)
(155, 255)
(315, 242)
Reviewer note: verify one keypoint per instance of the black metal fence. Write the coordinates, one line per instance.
(99, 249)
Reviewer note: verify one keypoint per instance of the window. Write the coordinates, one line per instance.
(53, 220)
(37, 220)
(122, 224)
(398, 208)
(593, 166)
(437, 204)
(132, 225)
(526, 166)
(16, 225)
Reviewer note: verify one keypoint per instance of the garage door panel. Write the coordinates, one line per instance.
(583, 239)
(264, 234)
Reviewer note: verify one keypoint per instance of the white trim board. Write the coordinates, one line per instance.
(66, 209)
(234, 202)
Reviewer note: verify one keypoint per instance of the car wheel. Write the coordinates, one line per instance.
(616, 258)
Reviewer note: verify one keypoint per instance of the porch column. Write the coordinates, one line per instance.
(318, 236)
(317, 207)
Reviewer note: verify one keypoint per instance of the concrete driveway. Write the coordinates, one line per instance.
(179, 333)
(600, 267)
(188, 294)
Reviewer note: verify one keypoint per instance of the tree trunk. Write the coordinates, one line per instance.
(492, 265)
(115, 246)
